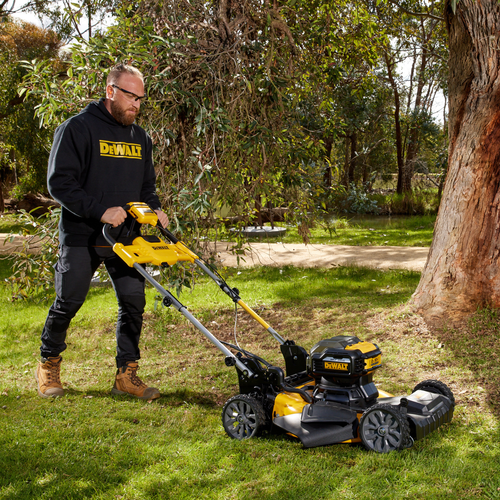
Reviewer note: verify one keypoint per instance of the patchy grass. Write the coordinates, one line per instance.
(92, 445)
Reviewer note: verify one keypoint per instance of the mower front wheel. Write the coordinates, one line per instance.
(383, 428)
(243, 417)
(436, 387)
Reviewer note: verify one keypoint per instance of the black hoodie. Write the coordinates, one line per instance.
(97, 163)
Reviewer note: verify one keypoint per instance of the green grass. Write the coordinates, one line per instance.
(92, 445)
(377, 231)
(416, 231)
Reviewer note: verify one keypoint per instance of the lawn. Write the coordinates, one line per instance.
(351, 230)
(90, 444)
(415, 231)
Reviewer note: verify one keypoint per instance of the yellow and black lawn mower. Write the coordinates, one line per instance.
(323, 397)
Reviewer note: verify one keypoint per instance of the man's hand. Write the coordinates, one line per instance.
(163, 218)
(114, 216)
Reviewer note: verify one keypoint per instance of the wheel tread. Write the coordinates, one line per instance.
(398, 440)
(249, 407)
(436, 387)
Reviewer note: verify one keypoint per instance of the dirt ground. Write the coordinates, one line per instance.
(13, 243)
(301, 255)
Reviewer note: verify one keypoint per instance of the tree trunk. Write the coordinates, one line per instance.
(327, 176)
(347, 158)
(354, 157)
(414, 132)
(462, 271)
(397, 122)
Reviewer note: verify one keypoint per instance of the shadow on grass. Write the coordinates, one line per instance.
(476, 347)
(176, 398)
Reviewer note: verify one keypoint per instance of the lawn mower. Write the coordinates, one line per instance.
(323, 397)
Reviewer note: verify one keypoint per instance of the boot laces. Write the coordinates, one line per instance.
(53, 372)
(135, 379)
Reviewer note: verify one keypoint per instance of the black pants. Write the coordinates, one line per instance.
(74, 271)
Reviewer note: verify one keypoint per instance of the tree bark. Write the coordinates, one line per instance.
(462, 271)
(397, 122)
(414, 132)
(327, 176)
(347, 158)
(353, 162)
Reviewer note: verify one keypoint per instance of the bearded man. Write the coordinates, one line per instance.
(100, 160)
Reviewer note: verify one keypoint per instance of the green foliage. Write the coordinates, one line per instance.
(419, 202)
(69, 19)
(32, 268)
(354, 200)
(232, 103)
(24, 147)
(414, 231)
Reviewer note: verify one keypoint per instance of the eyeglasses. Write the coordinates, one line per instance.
(130, 95)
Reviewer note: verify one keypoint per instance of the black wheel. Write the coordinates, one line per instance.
(383, 428)
(436, 387)
(243, 417)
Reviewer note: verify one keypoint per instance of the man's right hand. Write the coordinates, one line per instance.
(114, 216)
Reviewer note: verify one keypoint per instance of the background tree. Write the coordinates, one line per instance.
(462, 271)
(226, 90)
(24, 146)
(418, 41)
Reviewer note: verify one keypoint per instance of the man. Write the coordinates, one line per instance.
(100, 161)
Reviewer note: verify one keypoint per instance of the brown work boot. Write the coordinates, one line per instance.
(127, 382)
(48, 376)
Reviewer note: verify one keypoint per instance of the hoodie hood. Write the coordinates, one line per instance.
(98, 109)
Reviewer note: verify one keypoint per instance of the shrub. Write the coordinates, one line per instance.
(33, 275)
(355, 200)
(421, 202)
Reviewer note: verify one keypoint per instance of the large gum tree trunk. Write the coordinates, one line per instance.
(462, 271)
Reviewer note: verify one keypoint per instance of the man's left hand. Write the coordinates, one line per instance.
(163, 218)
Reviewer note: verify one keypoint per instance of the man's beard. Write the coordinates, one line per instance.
(120, 114)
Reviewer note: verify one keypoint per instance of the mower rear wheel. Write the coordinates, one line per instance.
(383, 428)
(243, 417)
(436, 387)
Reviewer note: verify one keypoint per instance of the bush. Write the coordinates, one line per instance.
(356, 200)
(421, 202)
(33, 275)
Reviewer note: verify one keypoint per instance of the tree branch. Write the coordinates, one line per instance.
(415, 14)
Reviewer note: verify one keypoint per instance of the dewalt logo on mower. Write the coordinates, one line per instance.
(336, 366)
(120, 150)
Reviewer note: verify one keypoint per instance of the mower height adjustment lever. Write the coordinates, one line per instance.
(230, 361)
(234, 293)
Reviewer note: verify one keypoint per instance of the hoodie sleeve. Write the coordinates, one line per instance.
(67, 169)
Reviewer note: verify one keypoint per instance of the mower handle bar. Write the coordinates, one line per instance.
(171, 300)
(106, 228)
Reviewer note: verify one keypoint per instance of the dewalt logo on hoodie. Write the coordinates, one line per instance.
(121, 150)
